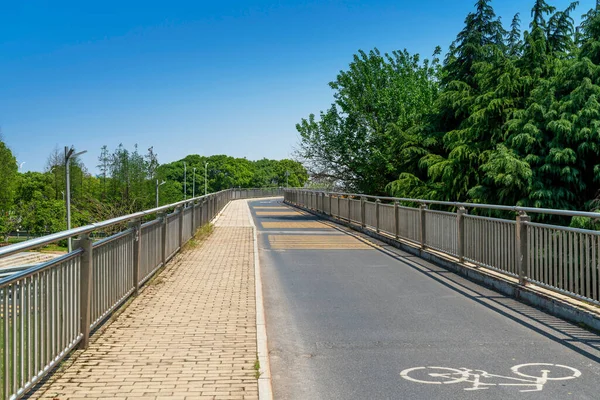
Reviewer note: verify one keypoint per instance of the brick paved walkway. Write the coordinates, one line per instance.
(189, 335)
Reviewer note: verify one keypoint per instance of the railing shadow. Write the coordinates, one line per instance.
(574, 337)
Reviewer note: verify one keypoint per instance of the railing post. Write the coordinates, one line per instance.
(136, 225)
(460, 224)
(323, 202)
(180, 233)
(317, 201)
(85, 286)
(396, 219)
(200, 222)
(363, 212)
(193, 224)
(338, 208)
(349, 210)
(163, 244)
(522, 246)
(330, 209)
(423, 215)
(377, 204)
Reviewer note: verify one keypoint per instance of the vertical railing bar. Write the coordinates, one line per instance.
(29, 330)
(531, 231)
(6, 322)
(504, 250)
(14, 337)
(540, 254)
(571, 261)
(71, 300)
(48, 327)
(563, 259)
(588, 266)
(22, 331)
(554, 260)
(51, 303)
(577, 263)
(537, 253)
(595, 244)
(36, 312)
(548, 252)
(63, 315)
(69, 291)
(499, 246)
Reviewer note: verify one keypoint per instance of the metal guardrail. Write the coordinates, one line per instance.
(48, 310)
(562, 259)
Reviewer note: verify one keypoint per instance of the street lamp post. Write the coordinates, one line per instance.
(69, 154)
(157, 186)
(184, 181)
(194, 185)
(205, 185)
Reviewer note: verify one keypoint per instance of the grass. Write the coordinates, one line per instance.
(53, 248)
(257, 368)
(200, 236)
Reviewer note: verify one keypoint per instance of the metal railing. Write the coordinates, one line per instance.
(48, 310)
(566, 260)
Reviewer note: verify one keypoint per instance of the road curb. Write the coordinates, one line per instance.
(265, 390)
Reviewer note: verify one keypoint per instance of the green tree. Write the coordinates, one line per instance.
(352, 142)
(8, 175)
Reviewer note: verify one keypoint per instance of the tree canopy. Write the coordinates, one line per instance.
(511, 116)
(126, 183)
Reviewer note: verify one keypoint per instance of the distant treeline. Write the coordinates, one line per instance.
(34, 202)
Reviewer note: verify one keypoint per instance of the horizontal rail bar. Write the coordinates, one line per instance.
(39, 268)
(112, 238)
(516, 209)
(562, 258)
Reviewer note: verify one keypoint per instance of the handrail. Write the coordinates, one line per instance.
(517, 209)
(563, 259)
(55, 237)
(74, 285)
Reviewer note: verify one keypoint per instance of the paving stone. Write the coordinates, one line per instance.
(192, 334)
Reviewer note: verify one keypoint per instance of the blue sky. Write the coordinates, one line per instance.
(198, 77)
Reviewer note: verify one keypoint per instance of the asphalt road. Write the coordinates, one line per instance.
(346, 320)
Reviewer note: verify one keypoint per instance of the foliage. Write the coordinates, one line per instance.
(224, 172)
(513, 117)
(354, 141)
(8, 174)
(126, 183)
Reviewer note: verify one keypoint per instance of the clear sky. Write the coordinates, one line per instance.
(196, 77)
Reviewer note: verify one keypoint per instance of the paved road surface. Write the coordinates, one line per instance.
(345, 319)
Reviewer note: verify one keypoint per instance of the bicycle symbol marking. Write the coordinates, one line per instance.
(533, 375)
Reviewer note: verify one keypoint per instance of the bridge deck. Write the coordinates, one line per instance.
(191, 334)
(347, 318)
(350, 318)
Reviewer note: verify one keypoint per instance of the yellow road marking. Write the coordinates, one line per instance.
(270, 208)
(316, 242)
(276, 213)
(294, 225)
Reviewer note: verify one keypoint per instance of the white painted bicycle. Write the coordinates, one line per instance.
(534, 376)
